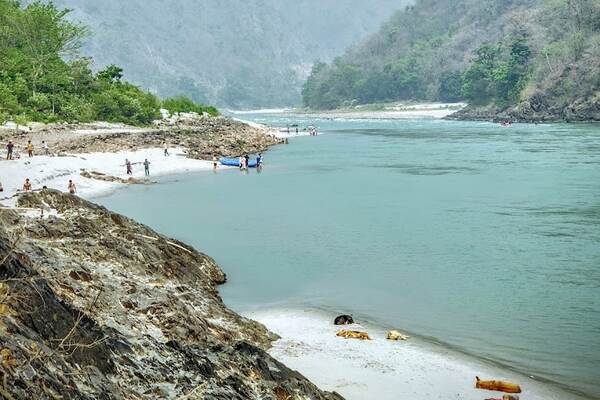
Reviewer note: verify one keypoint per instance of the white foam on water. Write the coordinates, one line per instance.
(382, 369)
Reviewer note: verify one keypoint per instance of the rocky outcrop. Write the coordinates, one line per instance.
(99, 176)
(96, 306)
(200, 136)
(538, 108)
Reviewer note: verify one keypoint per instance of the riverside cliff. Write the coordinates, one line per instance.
(94, 305)
(525, 60)
(536, 109)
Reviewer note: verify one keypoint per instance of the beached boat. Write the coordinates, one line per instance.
(235, 162)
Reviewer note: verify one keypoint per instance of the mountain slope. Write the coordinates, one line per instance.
(240, 53)
(534, 59)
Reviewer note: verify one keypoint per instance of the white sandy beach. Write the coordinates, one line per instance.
(55, 172)
(393, 111)
(385, 370)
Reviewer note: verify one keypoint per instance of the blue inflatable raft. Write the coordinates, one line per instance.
(235, 162)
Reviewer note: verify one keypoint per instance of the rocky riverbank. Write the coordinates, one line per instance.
(536, 109)
(96, 306)
(200, 136)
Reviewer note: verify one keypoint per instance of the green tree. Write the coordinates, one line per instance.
(451, 86)
(111, 74)
(43, 78)
(184, 104)
(479, 87)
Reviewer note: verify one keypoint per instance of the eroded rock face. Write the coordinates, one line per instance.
(202, 138)
(96, 306)
(538, 108)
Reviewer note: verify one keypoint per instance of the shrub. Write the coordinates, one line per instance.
(185, 104)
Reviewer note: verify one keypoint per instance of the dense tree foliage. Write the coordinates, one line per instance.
(484, 52)
(43, 77)
(181, 104)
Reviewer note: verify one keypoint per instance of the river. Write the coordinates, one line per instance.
(483, 238)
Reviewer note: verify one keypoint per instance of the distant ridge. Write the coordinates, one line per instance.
(237, 53)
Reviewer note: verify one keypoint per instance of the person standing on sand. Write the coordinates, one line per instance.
(9, 149)
(247, 160)
(27, 186)
(166, 150)
(30, 148)
(72, 188)
(128, 167)
(45, 147)
(214, 161)
(147, 167)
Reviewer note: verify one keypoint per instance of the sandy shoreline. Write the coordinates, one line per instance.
(55, 172)
(382, 369)
(393, 111)
(385, 111)
(102, 148)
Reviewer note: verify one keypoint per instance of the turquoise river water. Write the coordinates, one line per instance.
(484, 238)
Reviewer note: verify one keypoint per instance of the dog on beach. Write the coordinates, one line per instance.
(353, 335)
(343, 320)
(395, 335)
(499, 386)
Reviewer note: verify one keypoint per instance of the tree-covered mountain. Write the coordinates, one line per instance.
(239, 53)
(43, 77)
(523, 56)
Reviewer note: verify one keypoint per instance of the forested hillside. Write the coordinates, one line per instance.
(238, 53)
(44, 78)
(527, 58)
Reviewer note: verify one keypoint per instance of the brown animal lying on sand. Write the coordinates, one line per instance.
(395, 335)
(500, 386)
(353, 334)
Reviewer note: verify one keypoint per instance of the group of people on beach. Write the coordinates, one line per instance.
(11, 153)
(28, 187)
(129, 167)
(245, 162)
(312, 130)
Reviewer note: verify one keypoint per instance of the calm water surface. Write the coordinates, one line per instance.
(481, 237)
